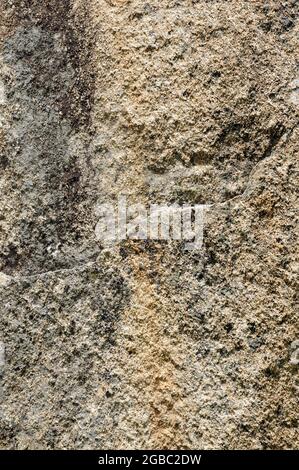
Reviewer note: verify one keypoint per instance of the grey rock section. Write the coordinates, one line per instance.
(146, 345)
(41, 82)
(60, 344)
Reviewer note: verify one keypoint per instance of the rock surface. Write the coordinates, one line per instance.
(147, 345)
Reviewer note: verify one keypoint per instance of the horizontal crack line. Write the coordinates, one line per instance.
(55, 271)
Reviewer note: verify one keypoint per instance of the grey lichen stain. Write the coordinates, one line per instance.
(294, 95)
(48, 106)
(294, 360)
(2, 355)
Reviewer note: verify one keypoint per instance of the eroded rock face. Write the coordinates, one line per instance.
(147, 345)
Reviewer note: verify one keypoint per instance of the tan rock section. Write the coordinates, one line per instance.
(142, 344)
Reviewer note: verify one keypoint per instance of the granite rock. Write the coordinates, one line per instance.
(144, 345)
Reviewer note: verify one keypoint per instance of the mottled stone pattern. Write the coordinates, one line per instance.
(145, 345)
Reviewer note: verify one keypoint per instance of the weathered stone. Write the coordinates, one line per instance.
(144, 344)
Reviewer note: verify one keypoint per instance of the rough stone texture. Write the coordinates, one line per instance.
(146, 345)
